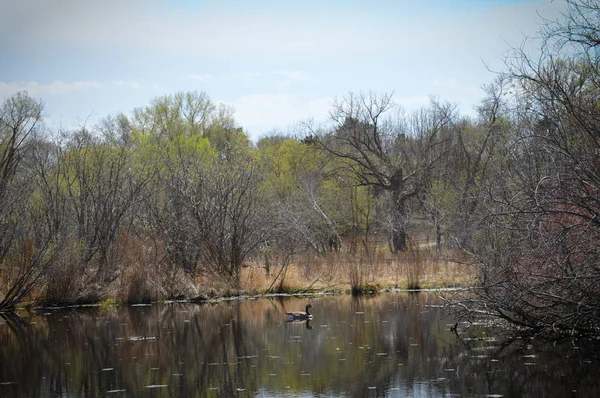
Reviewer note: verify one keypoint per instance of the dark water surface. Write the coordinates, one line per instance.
(386, 346)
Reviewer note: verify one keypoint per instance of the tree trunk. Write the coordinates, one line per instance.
(399, 239)
(398, 206)
(438, 236)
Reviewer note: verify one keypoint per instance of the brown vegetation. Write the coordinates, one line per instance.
(144, 279)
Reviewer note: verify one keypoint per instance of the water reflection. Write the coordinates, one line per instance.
(389, 345)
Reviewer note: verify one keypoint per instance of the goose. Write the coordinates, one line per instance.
(299, 316)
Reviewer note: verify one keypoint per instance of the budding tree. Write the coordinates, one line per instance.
(384, 149)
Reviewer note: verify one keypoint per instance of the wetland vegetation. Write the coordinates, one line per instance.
(172, 200)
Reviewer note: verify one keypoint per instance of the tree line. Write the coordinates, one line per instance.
(177, 189)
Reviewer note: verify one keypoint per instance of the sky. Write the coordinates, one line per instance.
(276, 62)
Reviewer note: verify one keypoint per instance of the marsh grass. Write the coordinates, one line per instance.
(420, 267)
(144, 275)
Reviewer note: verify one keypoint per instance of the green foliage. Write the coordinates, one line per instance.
(169, 154)
(225, 136)
(285, 162)
(187, 113)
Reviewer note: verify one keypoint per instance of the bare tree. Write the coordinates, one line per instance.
(235, 220)
(102, 185)
(389, 152)
(25, 253)
(538, 259)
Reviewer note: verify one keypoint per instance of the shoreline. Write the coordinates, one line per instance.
(111, 302)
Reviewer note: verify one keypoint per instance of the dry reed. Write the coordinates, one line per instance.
(144, 274)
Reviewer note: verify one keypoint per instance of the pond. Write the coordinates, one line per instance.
(393, 344)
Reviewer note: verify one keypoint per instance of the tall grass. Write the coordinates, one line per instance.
(144, 274)
(362, 272)
(414, 266)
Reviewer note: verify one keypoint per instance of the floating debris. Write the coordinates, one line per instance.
(485, 348)
(142, 338)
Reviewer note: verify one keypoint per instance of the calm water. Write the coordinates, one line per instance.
(385, 346)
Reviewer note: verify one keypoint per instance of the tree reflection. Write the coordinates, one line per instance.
(395, 344)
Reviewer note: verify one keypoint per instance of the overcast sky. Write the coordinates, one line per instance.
(275, 62)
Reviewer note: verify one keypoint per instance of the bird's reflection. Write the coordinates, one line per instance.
(296, 321)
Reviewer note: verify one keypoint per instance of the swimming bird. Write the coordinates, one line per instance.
(299, 316)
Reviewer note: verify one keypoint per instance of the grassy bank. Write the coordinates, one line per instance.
(359, 272)
(341, 273)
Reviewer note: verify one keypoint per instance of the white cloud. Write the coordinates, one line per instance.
(319, 108)
(202, 77)
(56, 87)
(279, 109)
(128, 83)
(280, 78)
(412, 103)
(449, 83)
(294, 75)
(162, 28)
(261, 113)
(467, 96)
(245, 77)
(222, 31)
(59, 87)
(290, 77)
